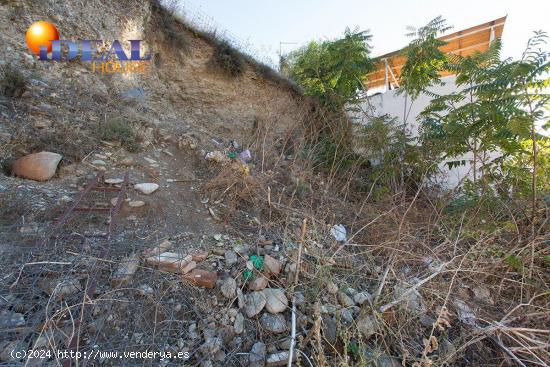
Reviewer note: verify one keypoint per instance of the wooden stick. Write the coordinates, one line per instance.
(296, 276)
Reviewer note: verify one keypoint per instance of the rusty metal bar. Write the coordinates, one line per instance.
(73, 343)
(91, 184)
(92, 209)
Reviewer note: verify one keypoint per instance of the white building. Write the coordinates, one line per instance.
(383, 87)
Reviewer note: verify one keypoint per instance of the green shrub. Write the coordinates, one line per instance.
(13, 83)
(229, 59)
(121, 131)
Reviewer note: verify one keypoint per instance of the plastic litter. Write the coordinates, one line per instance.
(245, 156)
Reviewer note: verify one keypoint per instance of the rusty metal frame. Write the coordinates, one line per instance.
(113, 217)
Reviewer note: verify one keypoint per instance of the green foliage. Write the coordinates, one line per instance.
(393, 153)
(332, 70)
(496, 108)
(121, 131)
(425, 60)
(13, 83)
(229, 59)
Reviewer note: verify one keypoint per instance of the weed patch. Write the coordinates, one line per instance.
(121, 131)
(228, 59)
(13, 83)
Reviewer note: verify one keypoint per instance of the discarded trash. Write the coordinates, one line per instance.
(217, 156)
(245, 156)
(338, 231)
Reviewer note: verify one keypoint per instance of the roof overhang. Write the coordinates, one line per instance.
(464, 43)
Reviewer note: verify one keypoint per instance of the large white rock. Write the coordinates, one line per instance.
(146, 188)
(276, 300)
(39, 166)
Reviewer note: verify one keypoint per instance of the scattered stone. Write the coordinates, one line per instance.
(256, 357)
(136, 203)
(329, 328)
(188, 267)
(465, 313)
(483, 294)
(279, 359)
(284, 344)
(218, 237)
(146, 188)
(276, 300)
(388, 361)
(273, 323)
(126, 162)
(231, 258)
(238, 325)
(259, 283)
(39, 166)
(272, 265)
(367, 325)
(211, 346)
(242, 250)
(363, 297)
(6, 350)
(413, 300)
(200, 256)
(228, 287)
(125, 271)
(426, 320)
(254, 303)
(9, 320)
(145, 290)
(156, 251)
(328, 309)
(345, 300)
(113, 181)
(346, 315)
(447, 351)
(332, 288)
(172, 262)
(299, 298)
(201, 278)
(63, 288)
(98, 162)
(240, 298)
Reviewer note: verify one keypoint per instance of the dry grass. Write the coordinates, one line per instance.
(455, 263)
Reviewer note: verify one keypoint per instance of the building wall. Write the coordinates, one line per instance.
(394, 105)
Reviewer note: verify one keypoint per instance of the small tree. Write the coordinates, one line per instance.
(521, 91)
(332, 70)
(468, 119)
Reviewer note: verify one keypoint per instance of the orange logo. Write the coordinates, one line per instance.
(41, 34)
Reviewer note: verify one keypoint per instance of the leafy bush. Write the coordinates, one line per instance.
(13, 82)
(121, 131)
(332, 70)
(229, 59)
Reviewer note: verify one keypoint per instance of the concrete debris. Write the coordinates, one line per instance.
(125, 271)
(172, 262)
(201, 278)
